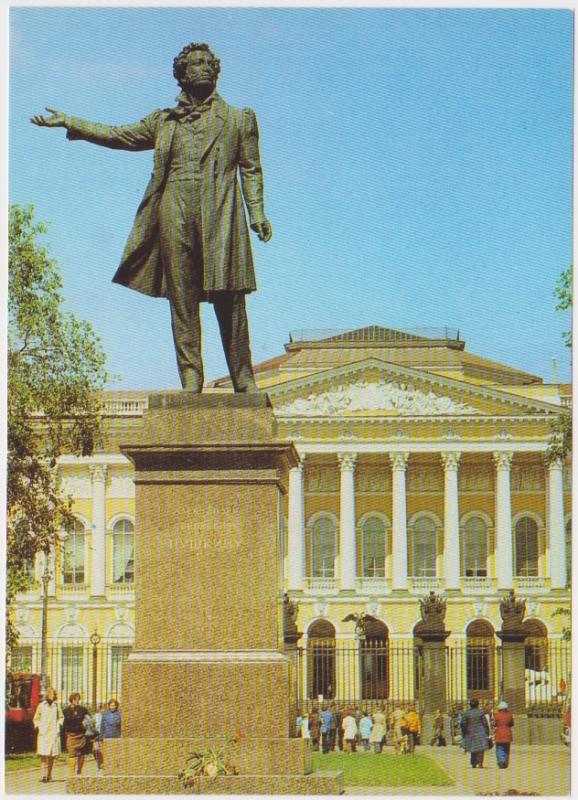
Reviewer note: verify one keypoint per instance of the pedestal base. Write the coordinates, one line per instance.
(151, 766)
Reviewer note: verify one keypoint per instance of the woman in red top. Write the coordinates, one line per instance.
(503, 724)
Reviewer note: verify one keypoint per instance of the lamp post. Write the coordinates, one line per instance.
(44, 630)
(95, 641)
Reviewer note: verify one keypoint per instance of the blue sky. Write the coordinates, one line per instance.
(418, 167)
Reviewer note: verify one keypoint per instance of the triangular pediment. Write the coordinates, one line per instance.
(374, 387)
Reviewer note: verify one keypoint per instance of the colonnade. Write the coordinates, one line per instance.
(398, 462)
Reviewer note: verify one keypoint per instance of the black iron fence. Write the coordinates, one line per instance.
(370, 673)
(382, 673)
(93, 670)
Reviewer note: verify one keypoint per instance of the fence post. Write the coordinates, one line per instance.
(95, 641)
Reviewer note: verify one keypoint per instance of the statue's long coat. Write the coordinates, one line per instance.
(231, 146)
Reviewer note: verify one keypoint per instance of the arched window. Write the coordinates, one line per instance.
(321, 660)
(73, 555)
(475, 548)
(123, 552)
(535, 645)
(323, 547)
(480, 654)
(569, 553)
(375, 662)
(526, 546)
(424, 547)
(373, 547)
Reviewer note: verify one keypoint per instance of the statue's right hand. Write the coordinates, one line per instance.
(57, 120)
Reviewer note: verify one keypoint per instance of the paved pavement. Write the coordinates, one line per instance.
(545, 770)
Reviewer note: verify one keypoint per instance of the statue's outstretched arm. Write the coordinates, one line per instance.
(138, 136)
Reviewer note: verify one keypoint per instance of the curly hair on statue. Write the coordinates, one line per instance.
(181, 61)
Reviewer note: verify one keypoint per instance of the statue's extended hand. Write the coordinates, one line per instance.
(263, 230)
(57, 120)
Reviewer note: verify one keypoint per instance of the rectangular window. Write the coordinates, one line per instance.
(72, 671)
(21, 659)
(118, 655)
(73, 559)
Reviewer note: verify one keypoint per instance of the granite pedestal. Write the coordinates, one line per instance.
(209, 658)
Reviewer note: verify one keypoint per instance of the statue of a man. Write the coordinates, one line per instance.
(190, 240)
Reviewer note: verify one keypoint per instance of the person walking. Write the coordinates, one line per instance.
(378, 730)
(439, 736)
(413, 725)
(74, 717)
(298, 724)
(47, 721)
(111, 725)
(365, 726)
(503, 724)
(398, 723)
(336, 729)
(326, 719)
(350, 731)
(475, 731)
(315, 728)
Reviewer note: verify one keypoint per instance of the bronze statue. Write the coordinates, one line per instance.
(190, 240)
(433, 611)
(290, 611)
(512, 611)
(361, 622)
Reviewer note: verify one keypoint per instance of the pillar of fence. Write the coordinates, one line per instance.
(432, 633)
(513, 635)
(291, 636)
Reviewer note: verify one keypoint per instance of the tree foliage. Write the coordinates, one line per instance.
(55, 378)
(560, 441)
(565, 294)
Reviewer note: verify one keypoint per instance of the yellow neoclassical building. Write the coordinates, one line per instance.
(421, 468)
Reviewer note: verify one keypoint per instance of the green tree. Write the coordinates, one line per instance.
(564, 292)
(55, 378)
(560, 441)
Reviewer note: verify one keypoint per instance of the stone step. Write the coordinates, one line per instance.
(325, 783)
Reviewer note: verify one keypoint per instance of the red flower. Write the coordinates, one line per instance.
(239, 736)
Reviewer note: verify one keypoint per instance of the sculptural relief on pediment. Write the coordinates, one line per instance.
(399, 398)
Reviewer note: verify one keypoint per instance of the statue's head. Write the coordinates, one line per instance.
(196, 66)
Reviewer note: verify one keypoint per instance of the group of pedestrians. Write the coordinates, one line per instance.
(83, 733)
(482, 729)
(349, 730)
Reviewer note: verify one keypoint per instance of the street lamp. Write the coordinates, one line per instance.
(44, 629)
(95, 641)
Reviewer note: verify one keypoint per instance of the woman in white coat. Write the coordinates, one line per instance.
(47, 721)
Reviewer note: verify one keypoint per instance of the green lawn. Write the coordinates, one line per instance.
(16, 761)
(383, 769)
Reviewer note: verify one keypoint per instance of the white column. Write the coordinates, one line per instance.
(556, 533)
(347, 520)
(399, 521)
(451, 520)
(296, 545)
(98, 573)
(504, 544)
